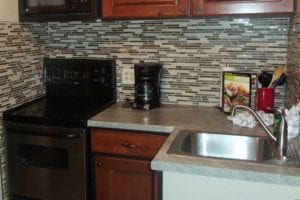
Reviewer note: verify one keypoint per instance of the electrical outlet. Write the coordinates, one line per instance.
(127, 76)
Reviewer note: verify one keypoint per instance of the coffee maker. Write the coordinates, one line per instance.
(147, 85)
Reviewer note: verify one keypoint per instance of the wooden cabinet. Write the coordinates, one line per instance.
(121, 164)
(57, 10)
(228, 7)
(126, 179)
(118, 9)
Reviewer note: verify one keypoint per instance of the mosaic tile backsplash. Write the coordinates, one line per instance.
(20, 75)
(293, 65)
(193, 52)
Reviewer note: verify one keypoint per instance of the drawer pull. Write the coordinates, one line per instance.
(99, 164)
(198, 10)
(128, 145)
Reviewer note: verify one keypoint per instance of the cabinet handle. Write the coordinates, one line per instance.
(182, 10)
(198, 9)
(99, 164)
(27, 10)
(24, 161)
(128, 145)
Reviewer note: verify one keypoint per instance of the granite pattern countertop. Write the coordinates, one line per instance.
(171, 119)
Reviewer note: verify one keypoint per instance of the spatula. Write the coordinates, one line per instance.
(276, 75)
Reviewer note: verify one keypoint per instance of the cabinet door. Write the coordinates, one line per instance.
(126, 179)
(118, 9)
(223, 7)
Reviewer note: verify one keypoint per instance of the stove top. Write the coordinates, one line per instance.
(57, 111)
(76, 89)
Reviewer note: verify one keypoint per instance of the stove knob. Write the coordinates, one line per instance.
(100, 71)
(103, 70)
(103, 80)
(24, 161)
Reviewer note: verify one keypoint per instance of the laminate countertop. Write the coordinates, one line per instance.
(171, 119)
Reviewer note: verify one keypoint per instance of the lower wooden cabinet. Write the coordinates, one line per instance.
(124, 179)
(121, 164)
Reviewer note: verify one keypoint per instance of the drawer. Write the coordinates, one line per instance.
(127, 143)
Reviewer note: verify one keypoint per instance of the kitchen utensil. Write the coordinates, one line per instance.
(276, 75)
(265, 78)
(281, 80)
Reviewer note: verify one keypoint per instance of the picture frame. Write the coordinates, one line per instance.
(236, 90)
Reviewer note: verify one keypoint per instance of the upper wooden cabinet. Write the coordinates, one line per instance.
(228, 7)
(112, 9)
(57, 10)
(120, 9)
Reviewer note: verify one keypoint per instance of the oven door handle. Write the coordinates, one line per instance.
(53, 135)
(65, 136)
(47, 131)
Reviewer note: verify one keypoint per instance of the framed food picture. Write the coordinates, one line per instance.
(236, 90)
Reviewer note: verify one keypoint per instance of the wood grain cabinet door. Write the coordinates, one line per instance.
(123, 179)
(118, 9)
(228, 7)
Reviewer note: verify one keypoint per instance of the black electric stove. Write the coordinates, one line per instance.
(76, 89)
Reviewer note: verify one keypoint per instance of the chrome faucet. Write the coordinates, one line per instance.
(280, 140)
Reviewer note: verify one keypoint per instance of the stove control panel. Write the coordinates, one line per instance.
(79, 77)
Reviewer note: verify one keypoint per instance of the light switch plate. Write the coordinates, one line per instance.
(127, 76)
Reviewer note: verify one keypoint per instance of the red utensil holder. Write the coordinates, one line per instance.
(265, 99)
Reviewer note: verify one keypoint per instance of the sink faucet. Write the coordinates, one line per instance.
(281, 139)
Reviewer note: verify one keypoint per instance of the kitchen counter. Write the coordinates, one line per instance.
(171, 119)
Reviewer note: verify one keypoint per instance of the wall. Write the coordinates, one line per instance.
(293, 64)
(193, 52)
(20, 74)
(9, 10)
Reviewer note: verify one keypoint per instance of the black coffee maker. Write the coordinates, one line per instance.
(147, 85)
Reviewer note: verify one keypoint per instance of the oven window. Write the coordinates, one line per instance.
(41, 156)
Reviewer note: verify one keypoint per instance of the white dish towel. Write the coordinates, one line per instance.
(246, 119)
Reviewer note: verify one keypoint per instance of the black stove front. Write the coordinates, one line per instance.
(47, 137)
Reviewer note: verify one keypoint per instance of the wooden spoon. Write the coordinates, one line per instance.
(276, 75)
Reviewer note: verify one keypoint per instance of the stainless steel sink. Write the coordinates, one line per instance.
(222, 146)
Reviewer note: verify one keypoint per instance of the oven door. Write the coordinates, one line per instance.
(46, 163)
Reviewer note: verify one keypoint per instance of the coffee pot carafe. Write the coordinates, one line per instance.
(147, 85)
